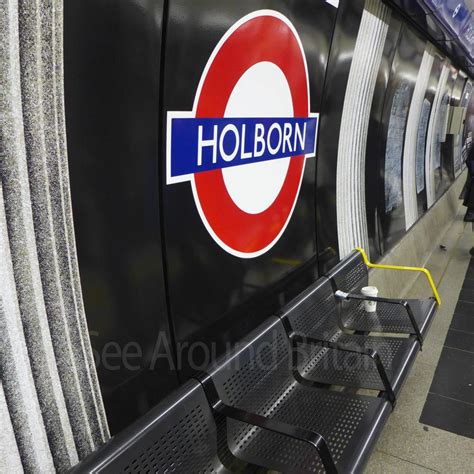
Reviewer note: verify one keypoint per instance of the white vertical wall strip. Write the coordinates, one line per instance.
(23, 249)
(350, 179)
(411, 139)
(58, 176)
(48, 375)
(432, 136)
(10, 460)
(38, 89)
(67, 250)
(18, 383)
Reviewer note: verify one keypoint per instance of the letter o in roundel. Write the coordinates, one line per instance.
(257, 70)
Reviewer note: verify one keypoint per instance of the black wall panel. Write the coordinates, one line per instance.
(455, 141)
(444, 176)
(159, 291)
(391, 136)
(458, 89)
(112, 80)
(468, 101)
(214, 296)
(374, 174)
(342, 50)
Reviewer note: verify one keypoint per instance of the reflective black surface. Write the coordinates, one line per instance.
(391, 137)
(215, 298)
(444, 176)
(454, 142)
(452, 39)
(112, 73)
(342, 50)
(469, 121)
(146, 258)
(374, 171)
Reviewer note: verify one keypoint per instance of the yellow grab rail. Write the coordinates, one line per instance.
(407, 269)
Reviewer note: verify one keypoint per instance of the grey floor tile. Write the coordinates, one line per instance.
(470, 272)
(467, 294)
(388, 464)
(454, 377)
(449, 415)
(460, 340)
(406, 438)
(468, 284)
(465, 308)
(463, 322)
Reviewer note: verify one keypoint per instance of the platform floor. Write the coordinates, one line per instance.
(407, 445)
(450, 402)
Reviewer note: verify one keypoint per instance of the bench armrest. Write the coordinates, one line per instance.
(425, 271)
(351, 296)
(307, 436)
(373, 355)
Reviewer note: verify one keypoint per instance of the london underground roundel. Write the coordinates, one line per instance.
(244, 145)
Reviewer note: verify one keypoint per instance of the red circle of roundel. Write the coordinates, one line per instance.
(261, 38)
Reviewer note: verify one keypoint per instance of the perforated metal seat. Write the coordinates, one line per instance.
(350, 276)
(389, 317)
(314, 313)
(257, 378)
(178, 435)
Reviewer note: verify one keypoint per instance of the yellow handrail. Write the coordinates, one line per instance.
(407, 269)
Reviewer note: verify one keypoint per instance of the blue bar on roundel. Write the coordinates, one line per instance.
(205, 144)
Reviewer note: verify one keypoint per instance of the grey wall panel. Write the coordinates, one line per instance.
(58, 182)
(18, 382)
(67, 250)
(23, 245)
(47, 368)
(351, 208)
(10, 460)
(35, 24)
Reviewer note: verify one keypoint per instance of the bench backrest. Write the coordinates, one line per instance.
(257, 378)
(350, 274)
(254, 377)
(313, 312)
(247, 377)
(178, 435)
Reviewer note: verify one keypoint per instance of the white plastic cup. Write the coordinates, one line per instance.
(370, 306)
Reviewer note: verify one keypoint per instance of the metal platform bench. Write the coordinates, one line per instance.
(336, 357)
(404, 316)
(286, 397)
(307, 428)
(248, 409)
(178, 435)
